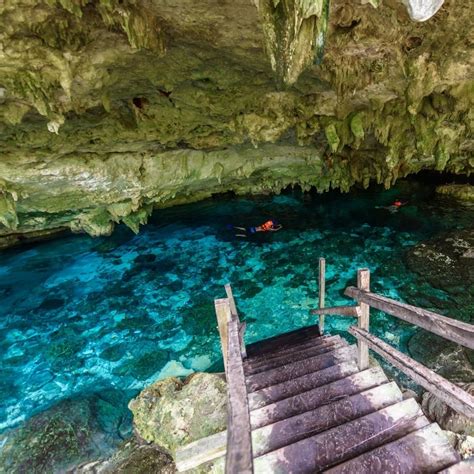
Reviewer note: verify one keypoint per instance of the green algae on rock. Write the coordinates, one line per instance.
(131, 458)
(51, 441)
(171, 413)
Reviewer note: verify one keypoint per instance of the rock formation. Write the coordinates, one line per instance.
(171, 413)
(109, 108)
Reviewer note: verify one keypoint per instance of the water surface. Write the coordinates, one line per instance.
(105, 317)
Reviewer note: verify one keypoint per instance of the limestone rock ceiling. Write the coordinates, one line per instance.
(109, 108)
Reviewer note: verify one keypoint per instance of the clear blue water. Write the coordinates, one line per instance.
(83, 316)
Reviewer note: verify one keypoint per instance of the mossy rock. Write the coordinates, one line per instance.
(132, 458)
(172, 413)
(51, 441)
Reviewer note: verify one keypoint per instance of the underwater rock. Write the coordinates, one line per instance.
(51, 441)
(447, 261)
(445, 416)
(448, 359)
(172, 413)
(463, 192)
(133, 458)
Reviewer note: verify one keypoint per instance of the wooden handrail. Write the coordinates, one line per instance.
(452, 329)
(451, 394)
(351, 311)
(239, 458)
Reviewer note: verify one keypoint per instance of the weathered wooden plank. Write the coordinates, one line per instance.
(299, 368)
(363, 284)
(451, 394)
(201, 451)
(223, 314)
(425, 450)
(283, 340)
(282, 433)
(297, 385)
(351, 311)
(254, 367)
(343, 442)
(345, 409)
(456, 331)
(311, 399)
(322, 291)
(294, 348)
(239, 444)
(233, 310)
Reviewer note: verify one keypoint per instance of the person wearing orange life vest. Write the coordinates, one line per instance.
(268, 226)
(396, 205)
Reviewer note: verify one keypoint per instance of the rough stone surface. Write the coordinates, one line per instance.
(463, 444)
(445, 416)
(447, 359)
(463, 192)
(131, 458)
(51, 441)
(447, 261)
(171, 413)
(110, 108)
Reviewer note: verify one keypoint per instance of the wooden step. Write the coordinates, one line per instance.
(344, 442)
(317, 397)
(297, 385)
(425, 450)
(312, 342)
(285, 339)
(282, 433)
(299, 368)
(261, 365)
(290, 430)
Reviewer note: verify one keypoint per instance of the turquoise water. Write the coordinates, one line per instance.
(105, 317)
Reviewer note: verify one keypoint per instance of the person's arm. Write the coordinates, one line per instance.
(275, 228)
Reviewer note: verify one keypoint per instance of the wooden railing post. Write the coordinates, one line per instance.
(233, 310)
(224, 316)
(363, 283)
(322, 291)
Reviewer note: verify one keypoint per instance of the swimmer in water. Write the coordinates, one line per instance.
(268, 226)
(395, 206)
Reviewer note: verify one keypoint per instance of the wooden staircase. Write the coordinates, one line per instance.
(303, 402)
(312, 409)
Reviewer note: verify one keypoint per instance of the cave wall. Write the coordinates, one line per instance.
(109, 108)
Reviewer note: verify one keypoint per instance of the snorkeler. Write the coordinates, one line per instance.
(268, 226)
(395, 206)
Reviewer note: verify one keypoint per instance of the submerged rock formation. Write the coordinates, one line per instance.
(110, 108)
(51, 441)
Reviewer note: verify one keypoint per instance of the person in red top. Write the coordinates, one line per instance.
(396, 205)
(268, 226)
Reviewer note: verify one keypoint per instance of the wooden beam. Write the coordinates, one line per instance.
(239, 457)
(451, 394)
(233, 310)
(452, 329)
(201, 451)
(352, 311)
(322, 291)
(223, 314)
(363, 284)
